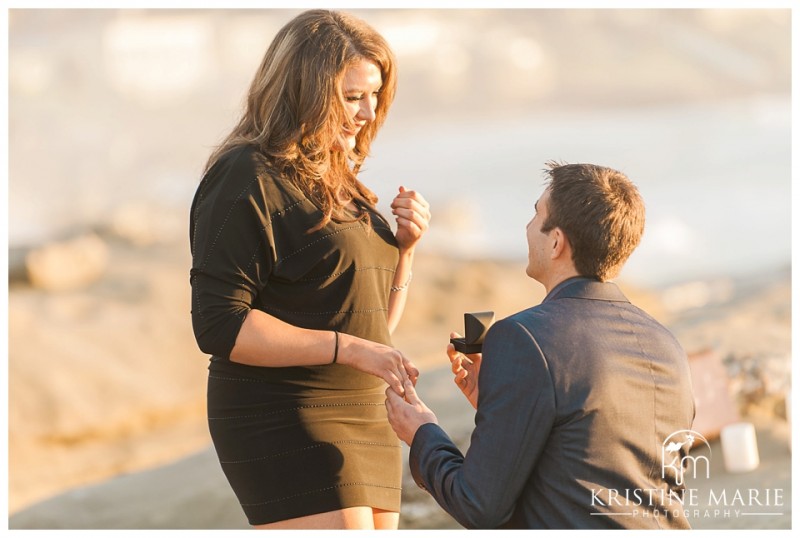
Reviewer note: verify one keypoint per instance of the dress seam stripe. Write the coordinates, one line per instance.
(310, 447)
(340, 273)
(314, 406)
(278, 213)
(284, 258)
(323, 489)
(366, 311)
(224, 222)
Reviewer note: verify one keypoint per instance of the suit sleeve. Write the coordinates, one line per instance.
(231, 245)
(516, 411)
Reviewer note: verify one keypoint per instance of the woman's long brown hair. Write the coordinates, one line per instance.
(295, 112)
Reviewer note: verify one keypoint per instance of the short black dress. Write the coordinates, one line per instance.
(292, 441)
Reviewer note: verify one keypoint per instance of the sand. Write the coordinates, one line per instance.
(107, 388)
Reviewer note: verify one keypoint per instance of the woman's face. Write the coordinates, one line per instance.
(361, 85)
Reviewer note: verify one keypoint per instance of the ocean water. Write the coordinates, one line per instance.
(716, 179)
(104, 126)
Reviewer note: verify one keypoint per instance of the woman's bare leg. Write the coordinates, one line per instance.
(385, 520)
(356, 517)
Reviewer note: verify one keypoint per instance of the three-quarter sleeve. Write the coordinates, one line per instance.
(231, 239)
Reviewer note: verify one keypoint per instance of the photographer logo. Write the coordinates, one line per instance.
(680, 469)
(675, 458)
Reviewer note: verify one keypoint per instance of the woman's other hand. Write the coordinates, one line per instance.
(412, 213)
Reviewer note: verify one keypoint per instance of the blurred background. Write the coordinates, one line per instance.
(113, 112)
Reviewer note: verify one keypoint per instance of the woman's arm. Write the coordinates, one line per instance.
(264, 340)
(412, 213)
(399, 290)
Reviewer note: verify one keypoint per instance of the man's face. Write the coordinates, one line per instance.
(538, 242)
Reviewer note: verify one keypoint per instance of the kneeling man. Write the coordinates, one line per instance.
(575, 397)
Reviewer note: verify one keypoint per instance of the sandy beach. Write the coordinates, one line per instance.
(112, 113)
(106, 400)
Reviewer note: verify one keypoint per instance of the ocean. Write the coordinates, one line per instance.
(716, 179)
(112, 114)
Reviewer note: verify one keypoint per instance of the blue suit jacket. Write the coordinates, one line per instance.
(577, 397)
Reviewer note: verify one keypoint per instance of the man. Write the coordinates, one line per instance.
(576, 396)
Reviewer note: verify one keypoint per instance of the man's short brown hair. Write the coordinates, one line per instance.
(600, 211)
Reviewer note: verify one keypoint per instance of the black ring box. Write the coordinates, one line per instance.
(476, 325)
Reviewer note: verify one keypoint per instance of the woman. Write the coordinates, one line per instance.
(298, 283)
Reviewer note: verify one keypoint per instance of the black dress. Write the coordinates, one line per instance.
(292, 441)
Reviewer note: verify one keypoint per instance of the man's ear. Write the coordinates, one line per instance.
(561, 246)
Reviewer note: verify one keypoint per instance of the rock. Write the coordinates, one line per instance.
(67, 265)
(146, 224)
(761, 382)
(714, 405)
(17, 271)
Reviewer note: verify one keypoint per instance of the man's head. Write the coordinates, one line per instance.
(589, 216)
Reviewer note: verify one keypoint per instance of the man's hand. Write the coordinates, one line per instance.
(466, 369)
(407, 415)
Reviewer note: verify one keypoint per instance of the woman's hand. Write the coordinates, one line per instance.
(466, 369)
(379, 360)
(412, 213)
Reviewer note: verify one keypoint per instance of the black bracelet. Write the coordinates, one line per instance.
(336, 349)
